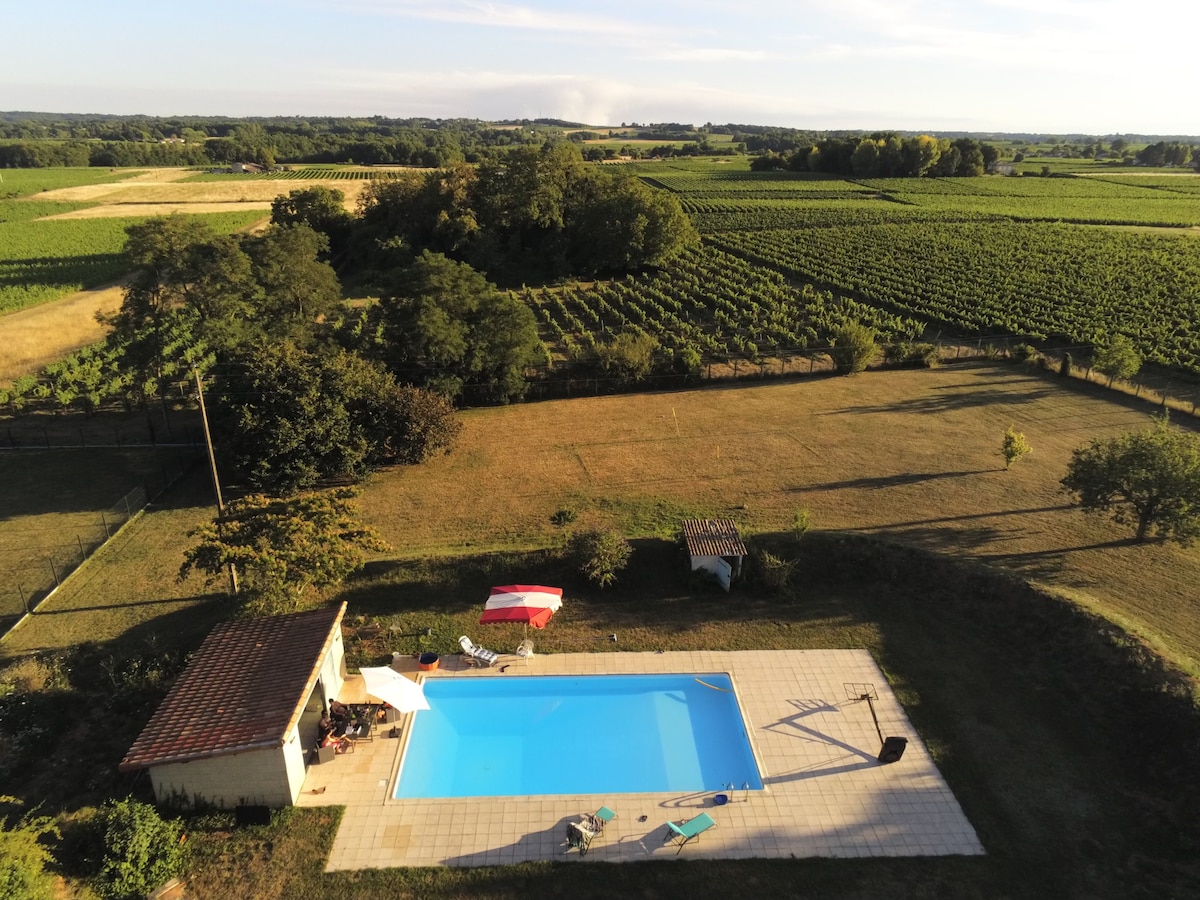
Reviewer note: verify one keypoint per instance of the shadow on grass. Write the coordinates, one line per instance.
(968, 516)
(885, 481)
(947, 401)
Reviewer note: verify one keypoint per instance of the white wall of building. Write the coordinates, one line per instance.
(255, 777)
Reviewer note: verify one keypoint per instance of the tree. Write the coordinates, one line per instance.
(283, 547)
(286, 418)
(853, 347)
(1150, 479)
(619, 224)
(299, 289)
(447, 327)
(322, 209)
(1117, 359)
(1014, 446)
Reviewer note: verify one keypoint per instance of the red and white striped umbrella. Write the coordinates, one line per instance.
(529, 604)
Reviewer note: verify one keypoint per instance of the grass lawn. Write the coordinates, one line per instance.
(911, 455)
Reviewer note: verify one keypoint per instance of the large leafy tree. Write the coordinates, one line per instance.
(287, 418)
(299, 290)
(1149, 479)
(537, 213)
(618, 224)
(195, 296)
(323, 210)
(284, 546)
(447, 327)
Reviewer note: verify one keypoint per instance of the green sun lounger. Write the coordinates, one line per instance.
(689, 830)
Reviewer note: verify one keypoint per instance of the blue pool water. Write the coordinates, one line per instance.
(585, 734)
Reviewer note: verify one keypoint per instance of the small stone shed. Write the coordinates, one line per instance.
(714, 546)
(238, 727)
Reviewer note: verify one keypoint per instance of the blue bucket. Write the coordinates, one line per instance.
(721, 799)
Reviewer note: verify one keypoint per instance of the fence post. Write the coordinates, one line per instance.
(54, 571)
(104, 522)
(128, 513)
(24, 599)
(79, 541)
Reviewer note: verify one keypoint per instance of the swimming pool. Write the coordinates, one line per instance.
(580, 734)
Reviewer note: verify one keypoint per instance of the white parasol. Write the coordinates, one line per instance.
(390, 686)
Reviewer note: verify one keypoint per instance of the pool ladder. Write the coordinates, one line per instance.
(731, 787)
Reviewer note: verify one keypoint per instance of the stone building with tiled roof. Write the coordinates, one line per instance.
(239, 725)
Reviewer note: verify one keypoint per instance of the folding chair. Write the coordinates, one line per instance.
(477, 654)
(579, 837)
(689, 830)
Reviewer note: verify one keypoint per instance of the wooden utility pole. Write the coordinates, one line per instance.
(212, 465)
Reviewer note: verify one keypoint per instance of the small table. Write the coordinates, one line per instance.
(365, 714)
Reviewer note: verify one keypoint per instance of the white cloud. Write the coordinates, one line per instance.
(503, 15)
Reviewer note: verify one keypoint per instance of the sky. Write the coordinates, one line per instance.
(1043, 66)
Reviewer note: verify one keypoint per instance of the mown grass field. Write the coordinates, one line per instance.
(913, 456)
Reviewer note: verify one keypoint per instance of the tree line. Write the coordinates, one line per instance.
(105, 141)
(883, 155)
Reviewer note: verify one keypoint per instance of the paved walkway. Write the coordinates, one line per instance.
(825, 794)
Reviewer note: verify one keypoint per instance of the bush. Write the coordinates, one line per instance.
(1025, 353)
(23, 857)
(912, 355)
(144, 851)
(564, 516)
(853, 347)
(802, 523)
(601, 555)
(774, 572)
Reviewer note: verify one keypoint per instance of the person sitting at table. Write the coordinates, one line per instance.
(326, 725)
(339, 711)
(340, 744)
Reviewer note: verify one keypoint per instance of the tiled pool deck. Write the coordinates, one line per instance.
(825, 794)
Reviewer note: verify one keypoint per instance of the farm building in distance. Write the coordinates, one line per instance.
(714, 546)
(238, 727)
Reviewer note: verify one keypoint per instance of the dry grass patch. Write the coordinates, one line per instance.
(129, 197)
(120, 210)
(35, 337)
(912, 455)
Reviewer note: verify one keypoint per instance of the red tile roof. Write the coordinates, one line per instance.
(712, 537)
(244, 689)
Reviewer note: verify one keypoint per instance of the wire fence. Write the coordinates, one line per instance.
(36, 567)
(1174, 391)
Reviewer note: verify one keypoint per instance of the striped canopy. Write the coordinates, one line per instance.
(529, 604)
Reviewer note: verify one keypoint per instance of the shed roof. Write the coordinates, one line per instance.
(712, 537)
(244, 689)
